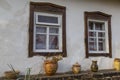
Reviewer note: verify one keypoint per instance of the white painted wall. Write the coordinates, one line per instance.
(14, 18)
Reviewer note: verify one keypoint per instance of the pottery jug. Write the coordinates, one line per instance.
(117, 64)
(94, 66)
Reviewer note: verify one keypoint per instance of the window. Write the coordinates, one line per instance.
(47, 32)
(98, 34)
(47, 29)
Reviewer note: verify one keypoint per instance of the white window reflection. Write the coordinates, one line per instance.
(54, 30)
(53, 42)
(40, 41)
(40, 29)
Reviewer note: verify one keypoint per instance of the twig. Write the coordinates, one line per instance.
(11, 67)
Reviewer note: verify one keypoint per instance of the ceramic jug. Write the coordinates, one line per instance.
(94, 66)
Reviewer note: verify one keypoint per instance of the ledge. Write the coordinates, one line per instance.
(86, 75)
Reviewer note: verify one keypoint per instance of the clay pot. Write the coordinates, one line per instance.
(76, 68)
(50, 67)
(94, 66)
(11, 74)
(117, 64)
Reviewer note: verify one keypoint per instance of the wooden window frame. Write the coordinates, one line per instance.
(52, 9)
(98, 16)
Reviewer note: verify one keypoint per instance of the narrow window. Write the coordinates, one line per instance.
(97, 34)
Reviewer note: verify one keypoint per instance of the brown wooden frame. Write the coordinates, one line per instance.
(98, 16)
(49, 8)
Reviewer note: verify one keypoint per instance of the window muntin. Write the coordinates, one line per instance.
(48, 35)
(97, 36)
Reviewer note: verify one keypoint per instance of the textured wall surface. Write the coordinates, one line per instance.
(14, 20)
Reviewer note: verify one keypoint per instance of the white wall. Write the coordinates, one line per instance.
(14, 18)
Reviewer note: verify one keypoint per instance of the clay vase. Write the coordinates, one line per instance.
(94, 66)
(117, 64)
(76, 68)
(50, 67)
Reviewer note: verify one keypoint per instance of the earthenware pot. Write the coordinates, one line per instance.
(76, 68)
(50, 67)
(117, 64)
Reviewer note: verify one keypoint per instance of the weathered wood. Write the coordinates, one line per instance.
(83, 75)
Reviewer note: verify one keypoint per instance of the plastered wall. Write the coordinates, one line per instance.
(14, 20)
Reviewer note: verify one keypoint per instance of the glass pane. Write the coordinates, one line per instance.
(101, 34)
(92, 46)
(47, 19)
(40, 41)
(91, 25)
(101, 40)
(53, 42)
(99, 26)
(92, 39)
(92, 34)
(101, 46)
(54, 30)
(41, 30)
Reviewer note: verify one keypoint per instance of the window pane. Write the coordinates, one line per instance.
(92, 46)
(91, 25)
(92, 34)
(47, 19)
(41, 29)
(92, 39)
(101, 46)
(40, 41)
(101, 40)
(99, 26)
(54, 30)
(101, 34)
(53, 42)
